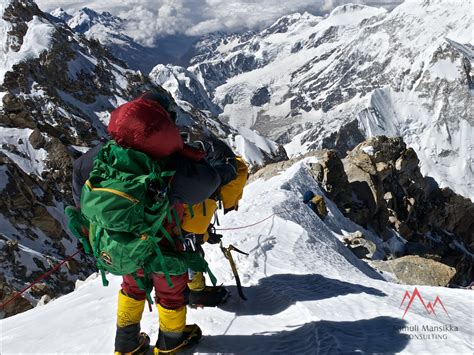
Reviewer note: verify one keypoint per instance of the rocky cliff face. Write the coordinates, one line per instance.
(379, 186)
(404, 73)
(57, 89)
(408, 226)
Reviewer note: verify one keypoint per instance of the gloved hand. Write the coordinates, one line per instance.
(214, 238)
(211, 236)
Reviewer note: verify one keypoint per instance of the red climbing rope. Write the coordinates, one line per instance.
(45, 275)
(249, 225)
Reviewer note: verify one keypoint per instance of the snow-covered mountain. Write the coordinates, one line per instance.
(407, 72)
(307, 293)
(111, 31)
(189, 92)
(57, 89)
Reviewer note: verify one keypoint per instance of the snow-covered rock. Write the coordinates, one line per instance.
(188, 91)
(24, 40)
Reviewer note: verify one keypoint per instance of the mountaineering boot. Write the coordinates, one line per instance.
(198, 282)
(174, 334)
(141, 349)
(128, 339)
(210, 296)
(171, 343)
(201, 295)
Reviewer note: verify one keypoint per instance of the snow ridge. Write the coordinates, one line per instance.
(306, 293)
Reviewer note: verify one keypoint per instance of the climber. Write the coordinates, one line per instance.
(316, 203)
(191, 184)
(146, 125)
(233, 173)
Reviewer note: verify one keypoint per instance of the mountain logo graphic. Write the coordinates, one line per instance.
(429, 307)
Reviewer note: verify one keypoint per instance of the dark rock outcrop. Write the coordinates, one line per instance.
(379, 185)
(260, 97)
(37, 139)
(345, 139)
(17, 305)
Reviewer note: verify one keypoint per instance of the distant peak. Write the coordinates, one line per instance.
(88, 10)
(347, 8)
(86, 18)
(94, 14)
(284, 23)
(297, 16)
(61, 14)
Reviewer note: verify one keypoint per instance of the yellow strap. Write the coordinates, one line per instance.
(180, 346)
(134, 351)
(113, 191)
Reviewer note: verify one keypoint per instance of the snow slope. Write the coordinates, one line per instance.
(307, 294)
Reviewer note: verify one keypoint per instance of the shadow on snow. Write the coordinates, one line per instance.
(276, 293)
(377, 335)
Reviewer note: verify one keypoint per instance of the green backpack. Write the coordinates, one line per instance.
(125, 204)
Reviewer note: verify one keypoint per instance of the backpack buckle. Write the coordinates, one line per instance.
(160, 195)
(157, 194)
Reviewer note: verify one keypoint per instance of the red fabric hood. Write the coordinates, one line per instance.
(146, 126)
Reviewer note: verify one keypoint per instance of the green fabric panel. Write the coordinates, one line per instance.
(122, 253)
(126, 222)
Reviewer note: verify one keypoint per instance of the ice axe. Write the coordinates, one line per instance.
(228, 256)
